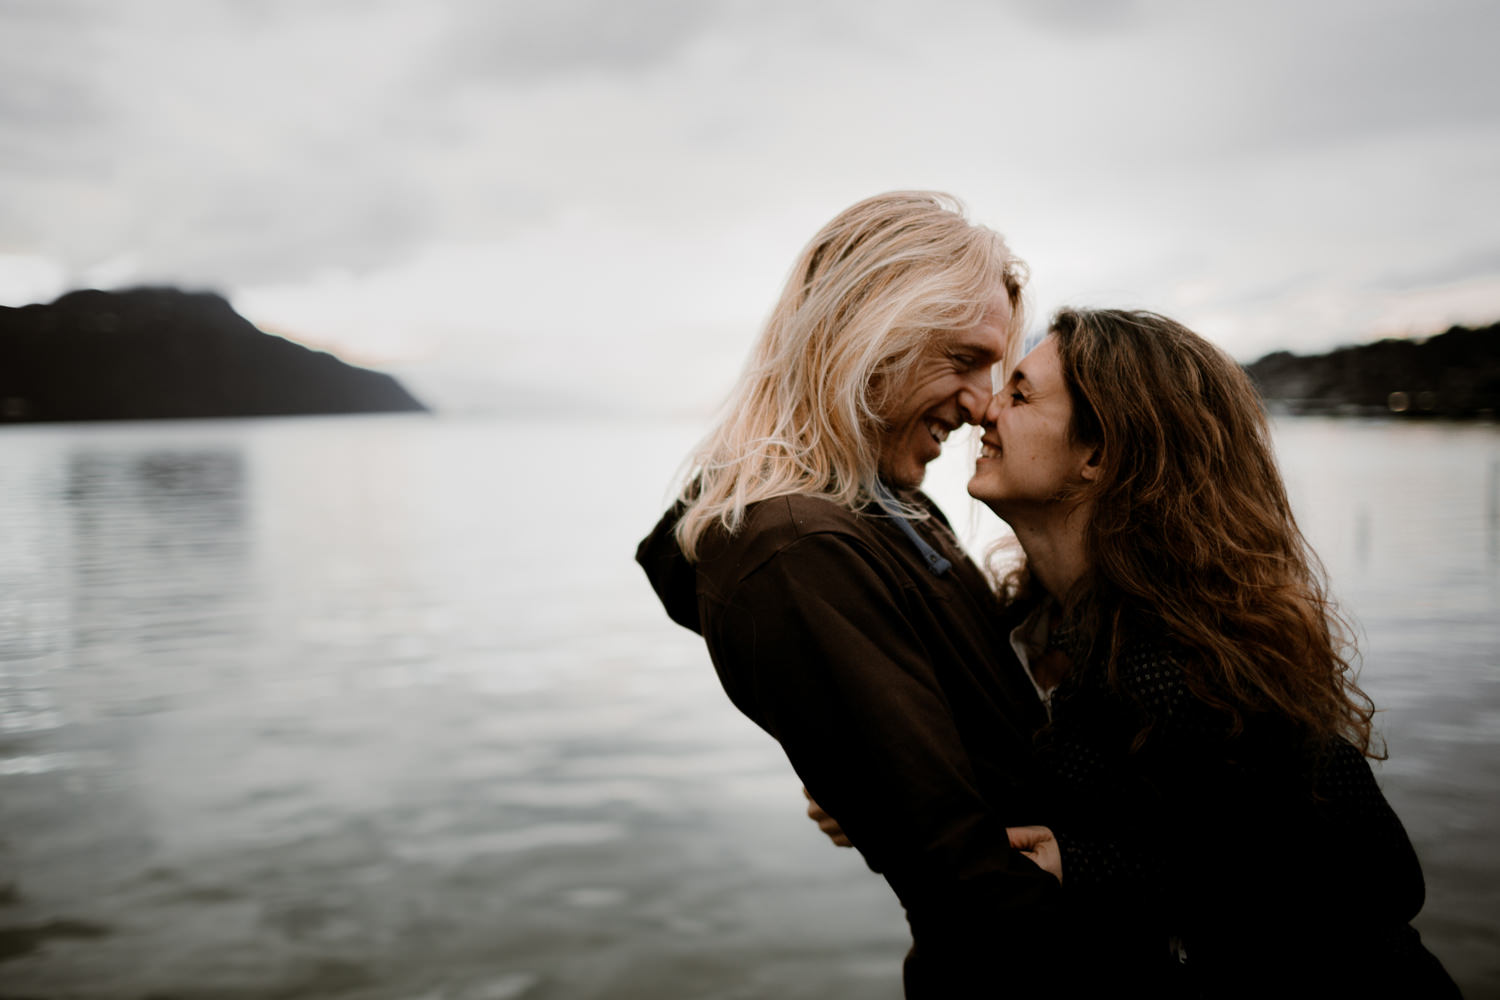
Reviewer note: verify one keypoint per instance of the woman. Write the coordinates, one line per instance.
(1212, 819)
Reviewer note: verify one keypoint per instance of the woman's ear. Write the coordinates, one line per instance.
(1091, 467)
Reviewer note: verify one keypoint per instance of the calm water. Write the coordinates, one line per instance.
(381, 708)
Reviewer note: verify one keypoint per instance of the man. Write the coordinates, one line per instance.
(840, 612)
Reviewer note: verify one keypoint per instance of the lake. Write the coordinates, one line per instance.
(380, 707)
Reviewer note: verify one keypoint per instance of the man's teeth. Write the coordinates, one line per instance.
(989, 451)
(938, 431)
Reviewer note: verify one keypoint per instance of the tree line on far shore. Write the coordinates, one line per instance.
(1455, 375)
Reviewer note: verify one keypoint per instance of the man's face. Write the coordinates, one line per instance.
(950, 386)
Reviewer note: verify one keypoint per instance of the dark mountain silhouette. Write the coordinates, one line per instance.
(1454, 374)
(153, 353)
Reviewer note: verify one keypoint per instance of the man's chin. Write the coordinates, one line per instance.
(908, 476)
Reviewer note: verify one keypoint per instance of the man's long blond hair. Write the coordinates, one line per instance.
(863, 301)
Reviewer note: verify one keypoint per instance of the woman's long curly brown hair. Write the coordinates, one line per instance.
(1191, 525)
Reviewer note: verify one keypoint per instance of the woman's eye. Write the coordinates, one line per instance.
(1016, 397)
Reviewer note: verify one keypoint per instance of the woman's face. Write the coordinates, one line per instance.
(1028, 459)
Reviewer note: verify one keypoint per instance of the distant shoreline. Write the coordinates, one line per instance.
(1454, 376)
(163, 354)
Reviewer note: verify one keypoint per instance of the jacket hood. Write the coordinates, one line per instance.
(674, 579)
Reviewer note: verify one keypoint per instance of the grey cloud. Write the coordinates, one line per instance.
(106, 150)
(1461, 267)
(51, 98)
(1250, 295)
(265, 233)
(1321, 75)
(510, 41)
(1086, 17)
(1378, 73)
(345, 148)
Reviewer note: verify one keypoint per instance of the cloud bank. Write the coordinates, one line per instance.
(585, 190)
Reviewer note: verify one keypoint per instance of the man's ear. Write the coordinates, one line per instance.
(1091, 467)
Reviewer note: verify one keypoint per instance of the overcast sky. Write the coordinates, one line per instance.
(600, 198)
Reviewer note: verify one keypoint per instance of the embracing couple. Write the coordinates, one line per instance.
(1137, 764)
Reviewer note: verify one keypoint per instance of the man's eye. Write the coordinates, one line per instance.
(1016, 397)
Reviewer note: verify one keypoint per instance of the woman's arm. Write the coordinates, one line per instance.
(826, 823)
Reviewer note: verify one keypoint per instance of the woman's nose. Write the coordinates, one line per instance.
(992, 409)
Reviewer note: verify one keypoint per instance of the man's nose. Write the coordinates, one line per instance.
(974, 397)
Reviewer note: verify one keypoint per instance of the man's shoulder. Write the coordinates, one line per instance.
(784, 520)
(812, 532)
(797, 515)
(774, 526)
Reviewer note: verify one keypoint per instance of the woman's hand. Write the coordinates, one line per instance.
(1038, 844)
(826, 823)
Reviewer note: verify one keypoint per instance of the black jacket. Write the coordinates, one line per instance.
(1272, 862)
(894, 692)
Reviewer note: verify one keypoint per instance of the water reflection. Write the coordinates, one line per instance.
(1492, 509)
(158, 539)
(111, 558)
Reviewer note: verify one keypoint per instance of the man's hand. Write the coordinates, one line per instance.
(1038, 844)
(826, 823)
